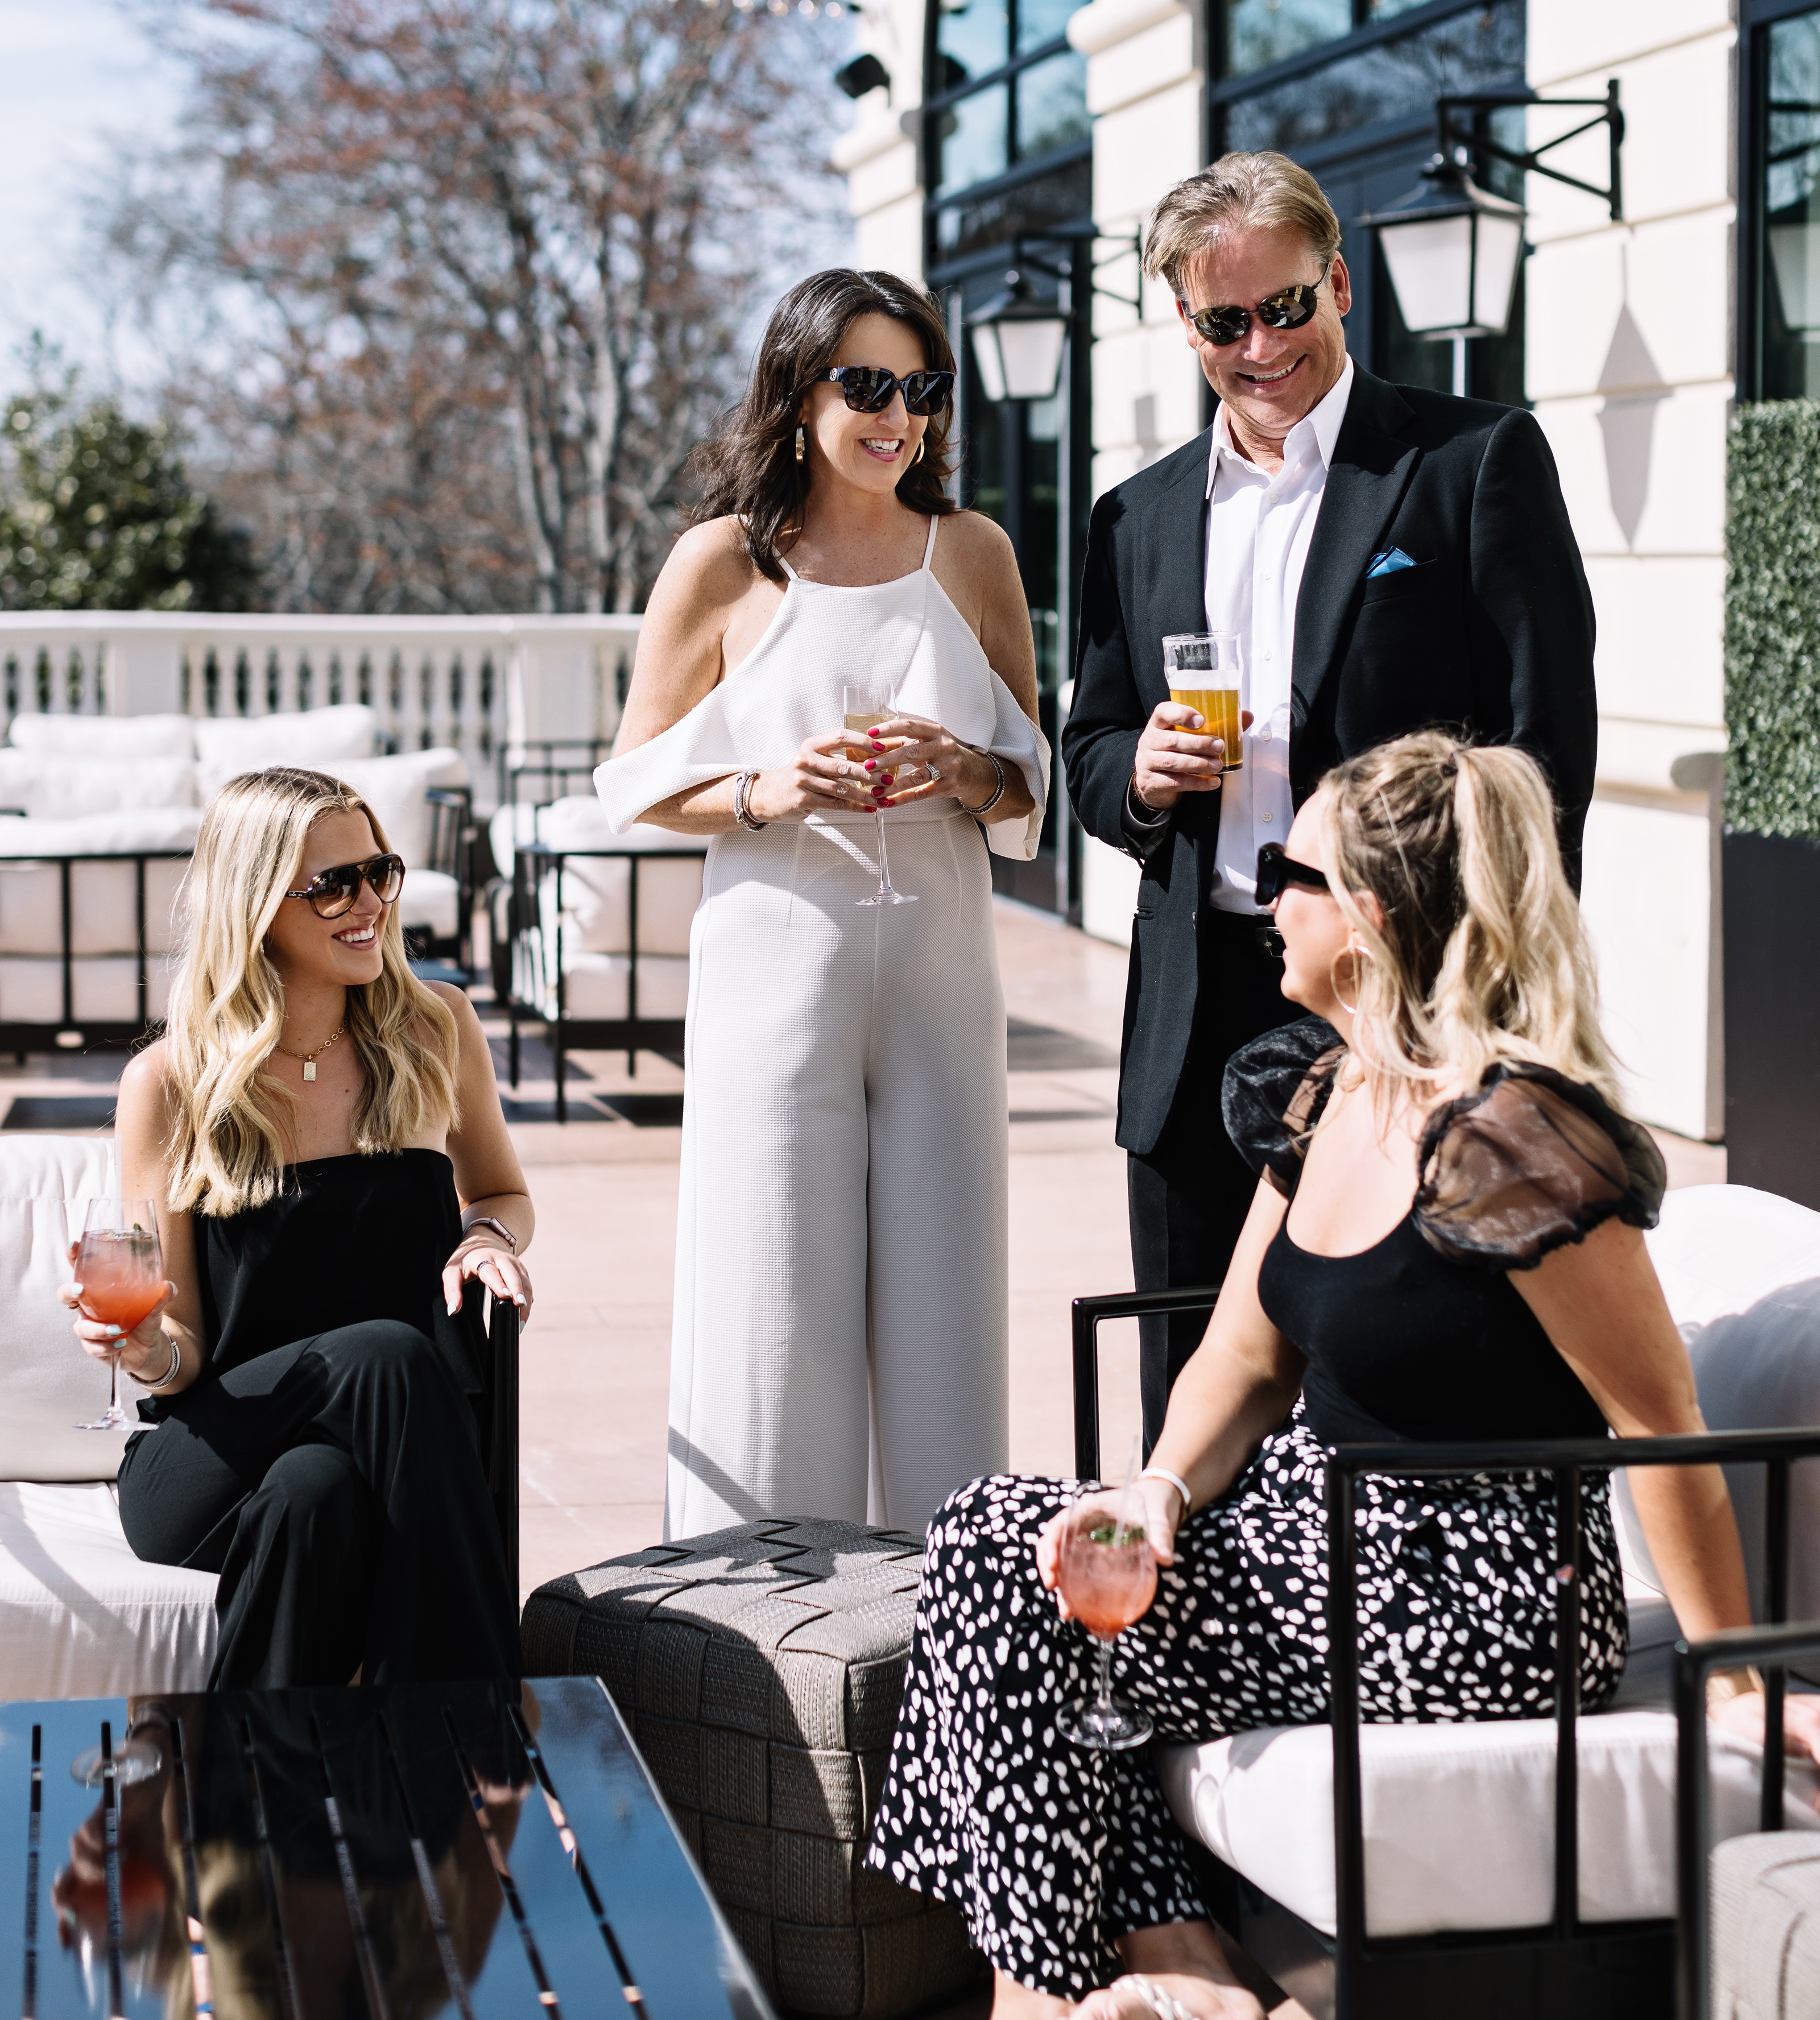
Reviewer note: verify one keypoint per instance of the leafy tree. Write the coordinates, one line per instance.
(97, 513)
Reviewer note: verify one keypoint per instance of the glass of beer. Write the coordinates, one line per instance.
(1204, 671)
(121, 1270)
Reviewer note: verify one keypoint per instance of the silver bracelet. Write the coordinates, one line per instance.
(170, 1373)
(997, 790)
(1174, 1480)
(498, 1227)
(742, 812)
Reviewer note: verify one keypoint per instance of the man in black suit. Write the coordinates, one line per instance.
(1391, 559)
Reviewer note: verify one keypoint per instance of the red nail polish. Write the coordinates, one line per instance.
(871, 765)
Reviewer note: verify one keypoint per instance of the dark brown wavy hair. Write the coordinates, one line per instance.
(748, 466)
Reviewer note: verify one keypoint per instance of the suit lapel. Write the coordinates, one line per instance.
(1372, 463)
(1174, 565)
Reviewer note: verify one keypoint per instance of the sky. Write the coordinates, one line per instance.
(72, 73)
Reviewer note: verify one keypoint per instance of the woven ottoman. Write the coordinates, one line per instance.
(760, 1668)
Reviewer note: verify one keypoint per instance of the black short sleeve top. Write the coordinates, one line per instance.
(1423, 1335)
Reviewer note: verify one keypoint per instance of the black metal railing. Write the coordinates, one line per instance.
(542, 760)
(538, 934)
(1569, 1460)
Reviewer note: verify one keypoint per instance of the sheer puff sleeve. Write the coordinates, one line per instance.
(1530, 1162)
(1273, 1094)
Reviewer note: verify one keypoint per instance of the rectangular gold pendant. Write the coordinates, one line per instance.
(309, 1069)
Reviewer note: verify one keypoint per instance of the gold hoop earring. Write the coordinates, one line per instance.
(918, 457)
(1358, 953)
(802, 442)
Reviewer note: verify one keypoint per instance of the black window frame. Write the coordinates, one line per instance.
(1755, 19)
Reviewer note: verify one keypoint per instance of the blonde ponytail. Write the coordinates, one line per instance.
(1479, 957)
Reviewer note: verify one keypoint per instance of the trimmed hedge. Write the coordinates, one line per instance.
(1772, 619)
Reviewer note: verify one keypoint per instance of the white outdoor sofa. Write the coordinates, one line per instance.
(100, 816)
(1457, 1911)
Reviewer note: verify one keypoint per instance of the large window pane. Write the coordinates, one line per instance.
(1267, 31)
(1060, 196)
(1789, 286)
(1041, 21)
(1051, 105)
(974, 139)
(1395, 80)
(973, 38)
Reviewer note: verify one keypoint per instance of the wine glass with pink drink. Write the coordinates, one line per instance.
(120, 1269)
(1108, 1575)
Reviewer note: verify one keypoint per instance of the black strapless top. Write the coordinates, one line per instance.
(1423, 1335)
(347, 1239)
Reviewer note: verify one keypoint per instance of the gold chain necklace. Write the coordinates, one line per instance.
(309, 1058)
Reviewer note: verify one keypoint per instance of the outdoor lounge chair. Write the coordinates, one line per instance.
(1459, 1883)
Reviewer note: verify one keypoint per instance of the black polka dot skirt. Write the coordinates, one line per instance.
(1052, 1852)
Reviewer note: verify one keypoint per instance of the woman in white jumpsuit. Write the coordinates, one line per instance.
(839, 1335)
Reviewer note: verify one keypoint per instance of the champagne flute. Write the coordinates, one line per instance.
(1109, 1578)
(120, 1269)
(863, 704)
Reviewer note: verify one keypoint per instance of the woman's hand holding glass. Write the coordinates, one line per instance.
(932, 763)
(1162, 1506)
(144, 1352)
(820, 779)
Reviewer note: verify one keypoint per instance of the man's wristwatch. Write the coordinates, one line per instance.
(499, 1227)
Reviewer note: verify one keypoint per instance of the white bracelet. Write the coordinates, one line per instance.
(1174, 1480)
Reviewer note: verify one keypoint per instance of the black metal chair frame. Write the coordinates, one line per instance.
(1772, 1649)
(515, 763)
(68, 1033)
(452, 839)
(501, 1424)
(533, 862)
(1377, 1977)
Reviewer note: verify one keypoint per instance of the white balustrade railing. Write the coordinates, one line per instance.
(480, 684)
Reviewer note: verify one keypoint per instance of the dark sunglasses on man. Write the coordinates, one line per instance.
(1277, 870)
(1289, 308)
(333, 892)
(869, 388)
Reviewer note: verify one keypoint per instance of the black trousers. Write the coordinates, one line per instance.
(1189, 1195)
(335, 1484)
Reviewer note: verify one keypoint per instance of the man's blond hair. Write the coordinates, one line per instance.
(1238, 193)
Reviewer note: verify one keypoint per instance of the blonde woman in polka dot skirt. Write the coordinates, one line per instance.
(1445, 1244)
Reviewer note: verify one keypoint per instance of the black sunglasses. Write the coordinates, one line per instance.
(1289, 308)
(1277, 870)
(869, 388)
(333, 892)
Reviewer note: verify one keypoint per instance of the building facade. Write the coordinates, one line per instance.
(1630, 340)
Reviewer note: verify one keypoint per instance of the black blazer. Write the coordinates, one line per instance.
(1490, 632)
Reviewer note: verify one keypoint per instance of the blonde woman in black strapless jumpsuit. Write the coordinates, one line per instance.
(322, 1140)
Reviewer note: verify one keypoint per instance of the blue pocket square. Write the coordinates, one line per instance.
(1388, 564)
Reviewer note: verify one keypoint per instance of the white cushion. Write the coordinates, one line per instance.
(124, 831)
(103, 990)
(431, 901)
(104, 735)
(393, 788)
(80, 1615)
(49, 1382)
(226, 745)
(596, 985)
(103, 907)
(510, 825)
(1765, 1928)
(596, 892)
(69, 788)
(1459, 1819)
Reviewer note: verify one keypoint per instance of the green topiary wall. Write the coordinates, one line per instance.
(1772, 619)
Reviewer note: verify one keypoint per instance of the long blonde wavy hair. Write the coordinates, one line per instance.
(233, 1123)
(1481, 958)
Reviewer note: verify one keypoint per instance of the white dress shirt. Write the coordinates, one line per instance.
(1259, 526)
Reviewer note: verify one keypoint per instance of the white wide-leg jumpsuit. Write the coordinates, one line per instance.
(840, 1337)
